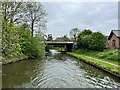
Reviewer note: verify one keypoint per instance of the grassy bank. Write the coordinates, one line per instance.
(112, 56)
(57, 48)
(7, 60)
(93, 58)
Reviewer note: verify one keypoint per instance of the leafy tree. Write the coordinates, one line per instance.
(31, 46)
(93, 41)
(16, 37)
(10, 41)
(24, 37)
(11, 11)
(34, 14)
(84, 39)
(98, 41)
(85, 42)
(63, 38)
(85, 32)
(0, 31)
(36, 47)
(10, 37)
(74, 32)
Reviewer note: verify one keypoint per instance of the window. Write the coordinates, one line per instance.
(113, 43)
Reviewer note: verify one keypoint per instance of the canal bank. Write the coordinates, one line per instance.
(56, 70)
(14, 60)
(106, 66)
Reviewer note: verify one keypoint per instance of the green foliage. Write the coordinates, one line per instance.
(87, 52)
(10, 41)
(31, 46)
(85, 32)
(96, 62)
(24, 37)
(93, 41)
(35, 48)
(84, 39)
(84, 42)
(63, 38)
(98, 41)
(17, 41)
(110, 55)
(17, 36)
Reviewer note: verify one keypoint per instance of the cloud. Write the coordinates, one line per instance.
(97, 16)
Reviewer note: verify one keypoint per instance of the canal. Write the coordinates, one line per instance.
(57, 70)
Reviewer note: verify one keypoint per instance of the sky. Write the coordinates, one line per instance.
(64, 16)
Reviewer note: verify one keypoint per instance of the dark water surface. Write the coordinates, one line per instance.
(57, 70)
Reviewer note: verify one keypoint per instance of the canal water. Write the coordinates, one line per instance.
(57, 70)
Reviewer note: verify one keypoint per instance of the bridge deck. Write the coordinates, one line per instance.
(59, 43)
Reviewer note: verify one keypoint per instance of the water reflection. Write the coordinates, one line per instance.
(57, 70)
(18, 73)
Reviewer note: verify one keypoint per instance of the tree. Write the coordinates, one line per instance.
(10, 41)
(92, 41)
(34, 14)
(16, 37)
(84, 42)
(86, 32)
(0, 30)
(66, 38)
(31, 46)
(74, 32)
(11, 11)
(10, 35)
(98, 41)
(84, 39)
(63, 38)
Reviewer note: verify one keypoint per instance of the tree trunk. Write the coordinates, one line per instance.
(32, 28)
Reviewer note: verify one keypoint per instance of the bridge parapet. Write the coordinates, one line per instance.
(59, 43)
(69, 45)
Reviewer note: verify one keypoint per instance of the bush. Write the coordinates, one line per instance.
(92, 41)
(84, 39)
(31, 46)
(34, 48)
(110, 55)
(98, 41)
(10, 42)
(37, 47)
(105, 54)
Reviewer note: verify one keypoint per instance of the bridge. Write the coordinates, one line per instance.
(59, 42)
(68, 45)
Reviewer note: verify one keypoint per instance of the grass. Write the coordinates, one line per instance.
(86, 54)
(112, 56)
(57, 48)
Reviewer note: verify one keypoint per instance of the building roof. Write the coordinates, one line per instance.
(116, 32)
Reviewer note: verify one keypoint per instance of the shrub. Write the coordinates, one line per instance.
(110, 55)
(92, 41)
(31, 46)
(98, 41)
(37, 47)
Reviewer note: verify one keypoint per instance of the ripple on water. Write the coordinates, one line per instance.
(61, 71)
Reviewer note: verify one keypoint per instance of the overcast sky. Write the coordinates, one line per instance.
(97, 16)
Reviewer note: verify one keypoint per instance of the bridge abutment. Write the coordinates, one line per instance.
(69, 48)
